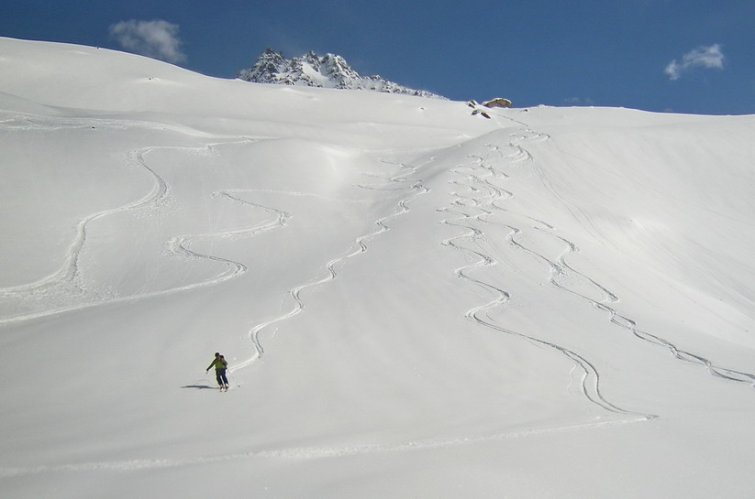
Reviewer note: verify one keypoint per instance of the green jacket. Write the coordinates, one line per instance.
(218, 364)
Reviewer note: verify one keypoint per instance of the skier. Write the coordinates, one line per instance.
(220, 365)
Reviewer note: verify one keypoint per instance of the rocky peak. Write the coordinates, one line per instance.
(314, 70)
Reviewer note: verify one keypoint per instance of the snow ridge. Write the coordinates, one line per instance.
(326, 71)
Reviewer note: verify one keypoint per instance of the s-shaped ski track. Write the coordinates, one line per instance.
(359, 247)
(67, 278)
(560, 269)
(484, 196)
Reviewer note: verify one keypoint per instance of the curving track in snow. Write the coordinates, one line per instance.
(563, 275)
(560, 269)
(474, 209)
(67, 280)
(359, 247)
(69, 270)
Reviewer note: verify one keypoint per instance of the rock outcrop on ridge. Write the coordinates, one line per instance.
(314, 70)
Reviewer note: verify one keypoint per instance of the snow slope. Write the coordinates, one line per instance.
(416, 302)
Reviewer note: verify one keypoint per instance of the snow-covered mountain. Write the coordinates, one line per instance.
(414, 301)
(327, 71)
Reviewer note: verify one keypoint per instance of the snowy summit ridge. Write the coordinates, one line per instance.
(326, 71)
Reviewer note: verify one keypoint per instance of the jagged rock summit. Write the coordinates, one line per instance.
(313, 70)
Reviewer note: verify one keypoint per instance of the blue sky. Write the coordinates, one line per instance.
(690, 56)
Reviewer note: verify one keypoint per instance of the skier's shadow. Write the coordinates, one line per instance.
(200, 387)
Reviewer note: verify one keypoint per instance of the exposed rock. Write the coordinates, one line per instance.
(313, 70)
(497, 102)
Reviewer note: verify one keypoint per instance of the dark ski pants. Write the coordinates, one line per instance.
(220, 376)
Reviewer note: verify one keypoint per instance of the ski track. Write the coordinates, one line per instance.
(560, 268)
(67, 278)
(359, 247)
(483, 201)
(590, 382)
(69, 270)
(308, 453)
(181, 245)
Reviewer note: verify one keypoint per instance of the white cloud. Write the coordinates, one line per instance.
(702, 57)
(157, 39)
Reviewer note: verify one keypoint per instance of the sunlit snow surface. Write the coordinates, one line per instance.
(415, 301)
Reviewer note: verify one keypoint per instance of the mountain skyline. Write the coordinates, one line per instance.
(692, 56)
(324, 71)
